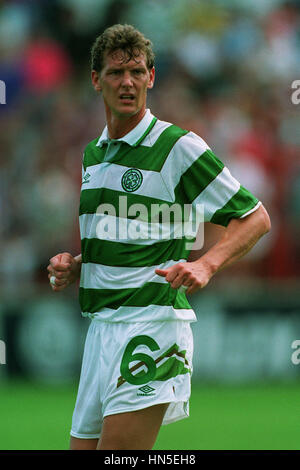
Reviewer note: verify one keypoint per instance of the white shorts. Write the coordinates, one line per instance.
(130, 366)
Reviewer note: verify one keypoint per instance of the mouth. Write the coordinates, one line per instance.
(126, 97)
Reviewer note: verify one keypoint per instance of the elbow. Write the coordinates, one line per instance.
(265, 221)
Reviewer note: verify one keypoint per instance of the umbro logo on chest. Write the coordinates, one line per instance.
(86, 178)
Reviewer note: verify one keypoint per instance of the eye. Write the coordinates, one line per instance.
(114, 72)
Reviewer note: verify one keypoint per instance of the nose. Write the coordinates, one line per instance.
(126, 79)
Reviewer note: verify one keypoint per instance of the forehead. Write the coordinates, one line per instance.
(124, 58)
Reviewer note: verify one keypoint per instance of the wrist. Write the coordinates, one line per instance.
(209, 264)
(78, 260)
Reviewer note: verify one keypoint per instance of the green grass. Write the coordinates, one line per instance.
(261, 417)
(256, 417)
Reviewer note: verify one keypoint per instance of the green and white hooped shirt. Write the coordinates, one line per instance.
(137, 194)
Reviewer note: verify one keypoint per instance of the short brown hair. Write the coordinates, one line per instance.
(125, 37)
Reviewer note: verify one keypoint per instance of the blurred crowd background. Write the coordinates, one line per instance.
(224, 69)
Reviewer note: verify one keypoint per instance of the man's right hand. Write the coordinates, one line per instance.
(66, 270)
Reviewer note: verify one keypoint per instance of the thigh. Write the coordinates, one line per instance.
(135, 430)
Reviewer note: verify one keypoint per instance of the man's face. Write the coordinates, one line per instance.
(124, 84)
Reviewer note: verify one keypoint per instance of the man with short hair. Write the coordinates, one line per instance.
(137, 363)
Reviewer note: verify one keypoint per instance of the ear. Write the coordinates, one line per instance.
(151, 79)
(95, 76)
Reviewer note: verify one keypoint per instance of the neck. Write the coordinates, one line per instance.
(118, 126)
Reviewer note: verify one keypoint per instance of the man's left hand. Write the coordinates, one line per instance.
(194, 275)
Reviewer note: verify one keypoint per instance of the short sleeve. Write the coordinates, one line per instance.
(208, 185)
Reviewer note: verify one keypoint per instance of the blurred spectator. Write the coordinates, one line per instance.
(46, 66)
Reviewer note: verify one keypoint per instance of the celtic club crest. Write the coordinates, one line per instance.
(131, 180)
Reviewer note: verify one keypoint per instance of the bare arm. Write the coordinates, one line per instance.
(238, 238)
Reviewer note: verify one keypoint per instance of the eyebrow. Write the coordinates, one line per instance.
(119, 67)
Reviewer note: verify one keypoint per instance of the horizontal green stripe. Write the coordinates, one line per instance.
(132, 255)
(90, 199)
(198, 176)
(142, 157)
(152, 293)
(242, 202)
(93, 155)
(153, 158)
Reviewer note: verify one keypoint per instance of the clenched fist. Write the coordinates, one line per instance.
(66, 270)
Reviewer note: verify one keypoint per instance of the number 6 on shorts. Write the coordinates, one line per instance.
(144, 358)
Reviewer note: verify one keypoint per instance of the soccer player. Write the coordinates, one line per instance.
(137, 363)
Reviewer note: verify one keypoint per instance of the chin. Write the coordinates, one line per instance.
(128, 113)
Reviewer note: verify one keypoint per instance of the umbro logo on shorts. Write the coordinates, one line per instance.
(146, 391)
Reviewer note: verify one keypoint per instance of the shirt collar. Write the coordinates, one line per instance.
(135, 136)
